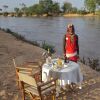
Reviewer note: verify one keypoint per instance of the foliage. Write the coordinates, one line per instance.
(91, 62)
(47, 5)
(47, 46)
(55, 8)
(20, 37)
(82, 12)
(44, 7)
(51, 8)
(30, 10)
(90, 5)
(5, 6)
(19, 14)
(83, 60)
(67, 7)
(16, 10)
(5, 13)
(38, 9)
(97, 12)
(74, 10)
(98, 2)
(0, 9)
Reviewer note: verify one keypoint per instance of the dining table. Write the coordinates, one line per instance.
(66, 73)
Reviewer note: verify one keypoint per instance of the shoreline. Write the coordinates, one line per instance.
(10, 48)
(64, 15)
(79, 15)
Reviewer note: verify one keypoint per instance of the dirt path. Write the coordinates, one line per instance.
(11, 48)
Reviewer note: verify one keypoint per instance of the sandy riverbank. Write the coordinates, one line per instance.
(11, 47)
(79, 15)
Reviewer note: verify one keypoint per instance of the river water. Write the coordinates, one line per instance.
(52, 30)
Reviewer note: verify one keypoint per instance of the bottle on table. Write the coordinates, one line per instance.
(66, 60)
(48, 59)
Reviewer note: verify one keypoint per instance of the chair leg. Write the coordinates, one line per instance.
(23, 95)
(31, 96)
(19, 84)
(53, 97)
(22, 88)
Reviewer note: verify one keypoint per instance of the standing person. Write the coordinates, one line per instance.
(71, 47)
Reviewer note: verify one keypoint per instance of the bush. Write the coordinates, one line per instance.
(91, 62)
(47, 46)
(5, 13)
(82, 12)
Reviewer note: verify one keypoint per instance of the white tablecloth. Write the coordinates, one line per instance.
(69, 73)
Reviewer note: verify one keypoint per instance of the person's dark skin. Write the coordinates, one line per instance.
(71, 30)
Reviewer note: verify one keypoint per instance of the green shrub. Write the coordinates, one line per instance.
(47, 46)
(91, 62)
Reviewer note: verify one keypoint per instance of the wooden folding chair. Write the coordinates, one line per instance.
(30, 69)
(37, 91)
(38, 73)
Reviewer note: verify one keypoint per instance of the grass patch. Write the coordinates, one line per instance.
(92, 62)
(47, 46)
(18, 36)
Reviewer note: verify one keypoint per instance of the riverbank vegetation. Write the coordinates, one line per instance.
(43, 44)
(92, 62)
(52, 8)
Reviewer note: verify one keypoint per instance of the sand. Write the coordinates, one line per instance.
(11, 48)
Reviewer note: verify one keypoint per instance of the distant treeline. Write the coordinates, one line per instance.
(52, 8)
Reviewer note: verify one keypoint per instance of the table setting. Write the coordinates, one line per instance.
(65, 72)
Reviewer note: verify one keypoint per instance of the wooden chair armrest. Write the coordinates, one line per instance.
(31, 65)
(22, 68)
(30, 62)
(34, 62)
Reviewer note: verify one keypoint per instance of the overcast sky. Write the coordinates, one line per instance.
(16, 3)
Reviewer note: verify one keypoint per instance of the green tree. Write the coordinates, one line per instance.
(5, 10)
(55, 8)
(16, 10)
(23, 8)
(0, 9)
(39, 9)
(30, 10)
(98, 2)
(74, 10)
(67, 7)
(90, 5)
(47, 4)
